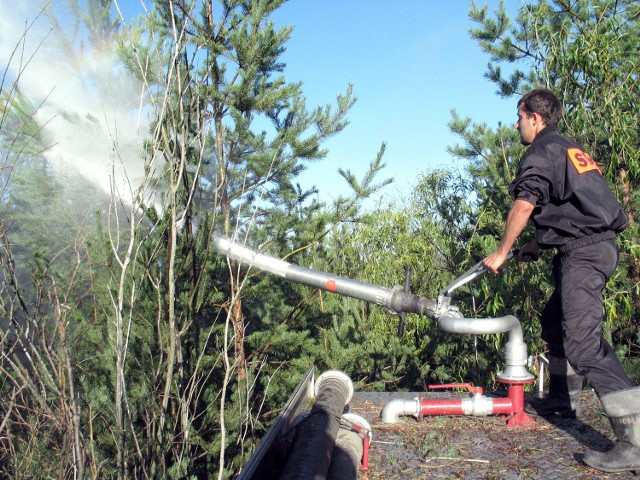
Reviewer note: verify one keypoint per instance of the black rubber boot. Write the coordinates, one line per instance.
(563, 398)
(623, 410)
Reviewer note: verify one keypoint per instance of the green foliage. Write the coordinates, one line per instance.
(174, 360)
(166, 381)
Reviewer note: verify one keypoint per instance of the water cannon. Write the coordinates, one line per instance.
(395, 299)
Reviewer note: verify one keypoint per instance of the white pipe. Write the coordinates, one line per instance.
(257, 260)
(477, 405)
(481, 326)
(515, 349)
(333, 378)
(399, 406)
(543, 362)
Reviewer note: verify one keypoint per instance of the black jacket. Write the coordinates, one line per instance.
(571, 198)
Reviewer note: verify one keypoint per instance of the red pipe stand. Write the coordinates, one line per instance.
(480, 405)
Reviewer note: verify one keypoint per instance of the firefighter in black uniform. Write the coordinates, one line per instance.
(561, 189)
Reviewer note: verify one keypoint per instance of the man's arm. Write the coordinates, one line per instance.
(516, 221)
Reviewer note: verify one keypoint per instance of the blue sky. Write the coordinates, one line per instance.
(410, 63)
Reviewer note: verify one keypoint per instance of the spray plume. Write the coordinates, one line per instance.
(89, 105)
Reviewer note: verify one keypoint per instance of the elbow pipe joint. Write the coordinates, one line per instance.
(398, 407)
(516, 350)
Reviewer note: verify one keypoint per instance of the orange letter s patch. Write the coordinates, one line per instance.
(582, 161)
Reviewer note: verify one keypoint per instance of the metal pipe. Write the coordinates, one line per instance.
(397, 407)
(477, 405)
(406, 289)
(515, 374)
(392, 298)
(395, 299)
(544, 363)
(310, 454)
(516, 356)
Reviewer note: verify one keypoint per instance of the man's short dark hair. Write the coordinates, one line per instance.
(543, 102)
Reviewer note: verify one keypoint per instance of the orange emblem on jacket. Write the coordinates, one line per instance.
(582, 161)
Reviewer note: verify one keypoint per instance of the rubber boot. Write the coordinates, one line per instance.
(623, 410)
(563, 398)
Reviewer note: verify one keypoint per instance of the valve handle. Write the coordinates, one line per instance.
(468, 386)
(471, 274)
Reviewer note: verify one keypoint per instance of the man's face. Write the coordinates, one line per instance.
(526, 125)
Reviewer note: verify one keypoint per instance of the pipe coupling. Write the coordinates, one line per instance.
(477, 405)
(335, 379)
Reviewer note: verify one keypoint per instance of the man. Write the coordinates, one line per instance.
(561, 189)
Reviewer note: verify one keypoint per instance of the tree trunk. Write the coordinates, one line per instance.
(237, 318)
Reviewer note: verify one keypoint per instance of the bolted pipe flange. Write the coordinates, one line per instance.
(516, 373)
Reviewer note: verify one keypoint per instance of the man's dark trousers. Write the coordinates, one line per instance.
(572, 319)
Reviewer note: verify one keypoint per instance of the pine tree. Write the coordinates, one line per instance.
(234, 135)
(170, 357)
